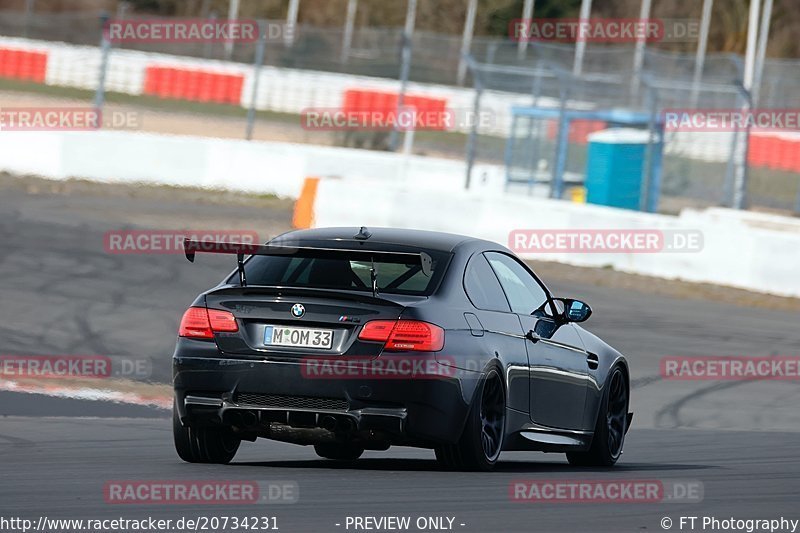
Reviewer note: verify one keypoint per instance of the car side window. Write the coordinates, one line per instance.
(523, 291)
(482, 287)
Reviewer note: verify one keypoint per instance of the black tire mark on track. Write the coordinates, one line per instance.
(18, 442)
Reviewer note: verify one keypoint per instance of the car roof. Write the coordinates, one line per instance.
(380, 237)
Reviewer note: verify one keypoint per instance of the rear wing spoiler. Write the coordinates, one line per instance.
(240, 250)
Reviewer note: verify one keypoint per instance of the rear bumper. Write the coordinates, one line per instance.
(420, 409)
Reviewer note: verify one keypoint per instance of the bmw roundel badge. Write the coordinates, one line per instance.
(298, 310)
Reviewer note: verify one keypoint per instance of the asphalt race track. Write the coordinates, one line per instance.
(62, 293)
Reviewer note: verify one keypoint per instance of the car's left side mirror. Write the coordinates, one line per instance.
(573, 310)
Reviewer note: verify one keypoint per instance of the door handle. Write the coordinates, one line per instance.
(593, 361)
(532, 336)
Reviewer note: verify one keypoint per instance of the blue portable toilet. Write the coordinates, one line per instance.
(615, 167)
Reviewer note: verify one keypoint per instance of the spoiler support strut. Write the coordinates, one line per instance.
(240, 267)
(373, 277)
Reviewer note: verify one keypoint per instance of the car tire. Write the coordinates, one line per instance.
(203, 445)
(481, 442)
(338, 452)
(610, 428)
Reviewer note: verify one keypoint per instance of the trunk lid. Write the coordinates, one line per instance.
(269, 316)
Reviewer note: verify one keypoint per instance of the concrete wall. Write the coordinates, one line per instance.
(258, 167)
(288, 90)
(359, 187)
(744, 250)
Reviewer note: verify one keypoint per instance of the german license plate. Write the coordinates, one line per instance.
(298, 337)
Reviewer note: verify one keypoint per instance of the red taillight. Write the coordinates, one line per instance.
(222, 321)
(377, 330)
(413, 335)
(201, 323)
(404, 335)
(195, 324)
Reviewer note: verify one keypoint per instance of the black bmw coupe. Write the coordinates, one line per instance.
(353, 339)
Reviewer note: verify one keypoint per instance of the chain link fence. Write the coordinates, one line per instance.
(376, 51)
(699, 168)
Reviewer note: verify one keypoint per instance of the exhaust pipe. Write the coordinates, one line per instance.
(348, 424)
(249, 418)
(328, 422)
(234, 418)
(242, 419)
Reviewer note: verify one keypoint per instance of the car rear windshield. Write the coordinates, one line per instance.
(392, 277)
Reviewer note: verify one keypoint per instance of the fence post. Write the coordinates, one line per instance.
(727, 186)
(105, 51)
(797, 201)
(233, 15)
(472, 140)
(405, 68)
(527, 17)
(349, 24)
(259, 59)
(580, 44)
(562, 144)
(207, 46)
(761, 52)
(638, 51)
(648, 200)
(29, 6)
(466, 40)
(740, 175)
(702, 44)
(291, 23)
(740, 164)
(508, 155)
